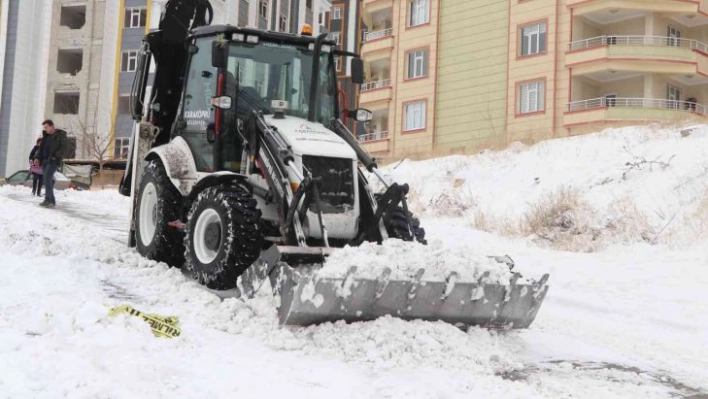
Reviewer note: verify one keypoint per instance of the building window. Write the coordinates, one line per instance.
(531, 96)
(70, 61)
(283, 22)
(417, 64)
(73, 17)
(673, 94)
(674, 36)
(418, 12)
(336, 13)
(335, 36)
(129, 62)
(67, 103)
(120, 150)
(533, 39)
(263, 9)
(308, 4)
(135, 17)
(415, 116)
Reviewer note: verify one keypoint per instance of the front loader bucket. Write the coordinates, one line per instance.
(306, 299)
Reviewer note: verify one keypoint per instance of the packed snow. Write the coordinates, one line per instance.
(582, 193)
(622, 318)
(405, 259)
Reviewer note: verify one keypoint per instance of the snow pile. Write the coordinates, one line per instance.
(583, 193)
(439, 260)
(62, 269)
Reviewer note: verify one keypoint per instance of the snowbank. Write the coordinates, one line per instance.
(620, 186)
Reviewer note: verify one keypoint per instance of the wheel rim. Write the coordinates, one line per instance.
(207, 236)
(148, 214)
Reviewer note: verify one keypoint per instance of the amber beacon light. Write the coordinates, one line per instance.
(306, 30)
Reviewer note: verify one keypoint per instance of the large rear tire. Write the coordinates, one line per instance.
(159, 203)
(223, 236)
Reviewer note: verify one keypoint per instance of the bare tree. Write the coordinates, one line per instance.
(94, 140)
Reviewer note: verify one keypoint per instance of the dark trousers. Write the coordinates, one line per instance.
(37, 184)
(49, 168)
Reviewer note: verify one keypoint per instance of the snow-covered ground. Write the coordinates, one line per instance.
(625, 316)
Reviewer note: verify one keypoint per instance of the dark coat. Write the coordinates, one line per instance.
(34, 153)
(59, 143)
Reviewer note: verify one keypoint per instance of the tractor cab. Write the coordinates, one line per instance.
(235, 72)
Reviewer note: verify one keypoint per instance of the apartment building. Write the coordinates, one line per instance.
(486, 73)
(24, 48)
(400, 52)
(78, 88)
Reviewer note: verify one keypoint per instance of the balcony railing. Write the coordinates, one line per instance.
(376, 84)
(638, 41)
(648, 103)
(373, 136)
(369, 36)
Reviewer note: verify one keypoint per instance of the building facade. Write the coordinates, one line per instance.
(24, 49)
(483, 74)
(400, 52)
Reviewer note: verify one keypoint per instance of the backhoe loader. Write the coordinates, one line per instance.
(242, 172)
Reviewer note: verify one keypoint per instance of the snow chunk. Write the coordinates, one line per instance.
(406, 258)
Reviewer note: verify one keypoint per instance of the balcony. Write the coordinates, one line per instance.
(604, 109)
(638, 54)
(375, 85)
(379, 41)
(374, 136)
(610, 11)
(372, 6)
(379, 34)
(376, 141)
(376, 91)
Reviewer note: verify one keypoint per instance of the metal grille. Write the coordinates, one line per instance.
(337, 190)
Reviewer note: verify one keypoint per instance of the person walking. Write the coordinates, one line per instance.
(36, 169)
(54, 143)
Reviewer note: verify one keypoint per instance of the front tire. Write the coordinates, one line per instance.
(158, 204)
(397, 226)
(223, 236)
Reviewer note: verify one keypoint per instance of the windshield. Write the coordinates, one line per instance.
(272, 71)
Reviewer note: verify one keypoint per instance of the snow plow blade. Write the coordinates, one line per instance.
(306, 298)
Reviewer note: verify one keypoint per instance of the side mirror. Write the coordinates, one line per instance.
(219, 55)
(361, 115)
(357, 70)
(222, 102)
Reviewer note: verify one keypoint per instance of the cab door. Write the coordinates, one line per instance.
(197, 115)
